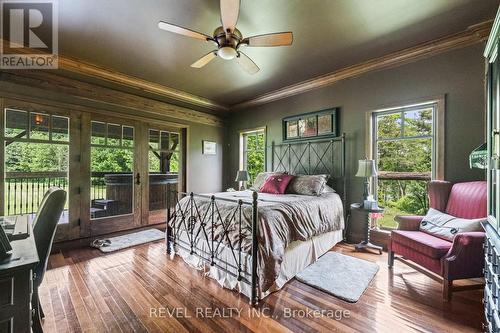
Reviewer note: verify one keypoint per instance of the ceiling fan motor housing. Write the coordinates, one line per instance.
(231, 39)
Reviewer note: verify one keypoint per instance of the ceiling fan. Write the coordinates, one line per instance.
(229, 39)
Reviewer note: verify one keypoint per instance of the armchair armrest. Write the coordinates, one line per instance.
(465, 259)
(410, 223)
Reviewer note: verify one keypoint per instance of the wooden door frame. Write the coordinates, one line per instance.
(79, 169)
(72, 228)
(105, 225)
(182, 130)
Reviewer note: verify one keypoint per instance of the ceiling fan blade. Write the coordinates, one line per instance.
(229, 11)
(204, 60)
(274, 39)
(182, 31)
(247, 64)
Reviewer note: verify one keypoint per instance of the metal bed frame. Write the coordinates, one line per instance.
(300, 157)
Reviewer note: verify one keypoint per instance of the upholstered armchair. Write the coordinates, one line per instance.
(449, 261)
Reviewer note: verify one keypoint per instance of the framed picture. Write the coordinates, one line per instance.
(310, 125)
(324, 124)
(292, 128)
(209, 147)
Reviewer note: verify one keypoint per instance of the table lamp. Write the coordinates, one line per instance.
(366, 169)
(242, 176)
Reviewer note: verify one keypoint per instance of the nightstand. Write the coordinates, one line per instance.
(366, 213)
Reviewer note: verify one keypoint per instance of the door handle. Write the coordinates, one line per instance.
(138, 179)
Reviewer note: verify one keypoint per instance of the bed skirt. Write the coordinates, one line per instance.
(298, 255)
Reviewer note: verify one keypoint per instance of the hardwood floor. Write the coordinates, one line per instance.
(139, 289)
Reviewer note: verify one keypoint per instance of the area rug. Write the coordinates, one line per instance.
(128, 240)
(342, 276)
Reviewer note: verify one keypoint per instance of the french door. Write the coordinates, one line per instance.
(134, 171)
(165, 160)
(113, 190)
(119, 173)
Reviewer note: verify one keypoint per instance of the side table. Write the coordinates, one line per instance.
(365, 244)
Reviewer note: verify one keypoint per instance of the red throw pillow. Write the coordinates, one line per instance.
(276, 184)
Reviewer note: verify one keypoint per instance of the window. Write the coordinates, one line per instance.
(405, 147)
(36, 157)
(253, 152)
(163, 151)
(112, 165)
(164, 167)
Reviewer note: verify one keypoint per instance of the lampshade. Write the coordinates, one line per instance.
(242, 176)
(366, 169)
(479, 157)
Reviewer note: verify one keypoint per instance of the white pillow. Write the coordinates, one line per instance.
(446, 226)
(328, 189)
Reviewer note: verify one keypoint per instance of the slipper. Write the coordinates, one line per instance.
(97, 243)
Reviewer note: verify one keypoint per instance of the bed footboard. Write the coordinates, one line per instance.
(198, 225)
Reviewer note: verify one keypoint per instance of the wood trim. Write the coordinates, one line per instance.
(441, 138)
(439, 125)
(17, 99)
(136, 105)
(472, 35)
(91, 70)
(80, 67)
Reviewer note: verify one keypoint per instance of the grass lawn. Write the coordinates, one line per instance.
(387, 221)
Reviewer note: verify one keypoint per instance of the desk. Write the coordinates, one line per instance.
(16, 283)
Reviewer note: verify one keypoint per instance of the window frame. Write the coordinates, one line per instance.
(438, 132)
(243, 152)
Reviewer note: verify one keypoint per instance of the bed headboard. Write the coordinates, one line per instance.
(315, 156)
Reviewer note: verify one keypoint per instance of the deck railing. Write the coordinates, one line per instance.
(24, 191)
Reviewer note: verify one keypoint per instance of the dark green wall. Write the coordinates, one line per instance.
(204, 172)
(458, 74)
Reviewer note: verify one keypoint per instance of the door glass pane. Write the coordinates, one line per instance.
(16, 123)
(39, 126)
(98, 133)
(112, 167)
(174, 140)
(114, 135)
(128, 136)
(34, 164)
(154, 139)
(164, 166)
(60, 128)
(164, 140)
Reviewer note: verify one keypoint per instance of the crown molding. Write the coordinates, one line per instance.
(80, 67)
(472, 35)
(87, 69)
(105, 97)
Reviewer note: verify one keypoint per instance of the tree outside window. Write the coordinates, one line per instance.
(403, 145)
(252, 153)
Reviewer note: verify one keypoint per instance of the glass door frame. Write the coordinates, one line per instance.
(71, 229)
(181, 186)
(104, 225)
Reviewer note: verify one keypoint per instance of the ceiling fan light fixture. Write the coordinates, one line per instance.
(227, 53)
